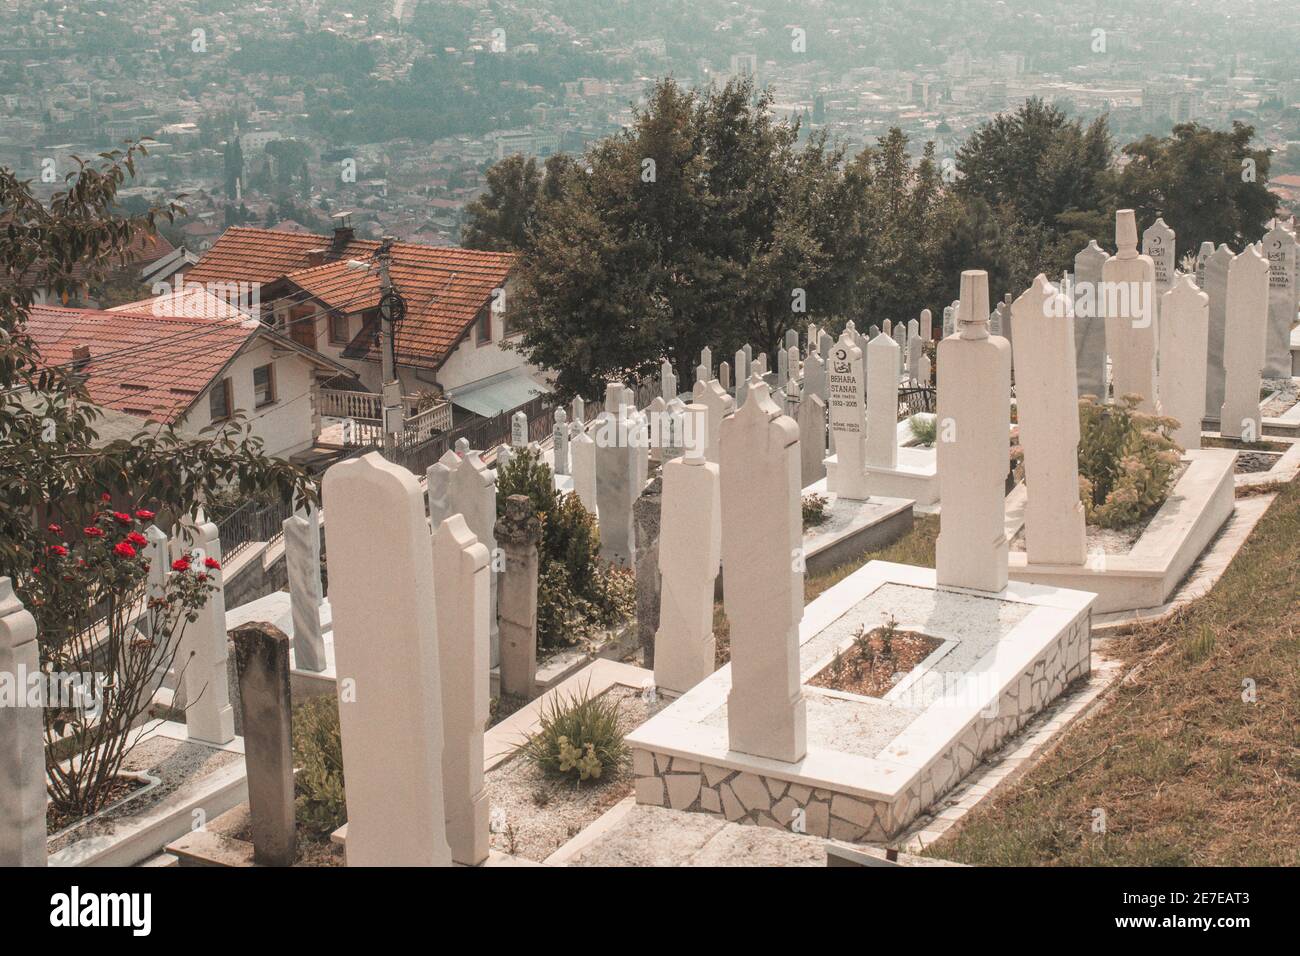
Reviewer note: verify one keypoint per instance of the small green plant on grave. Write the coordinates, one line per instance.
(837, 665)
(1127, 461)
(925, 429)
(579, 738)
(578, 595)
(814, 509)
(888, 631)
(320, 804)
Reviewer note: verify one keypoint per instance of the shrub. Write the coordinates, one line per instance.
(925, 428)
(1127, 461)
(579, 738)
(578, 595)
(814, 509)
(319, 801)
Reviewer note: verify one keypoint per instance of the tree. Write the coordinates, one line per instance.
(66, 493)
(704, 223)
(1210, 185)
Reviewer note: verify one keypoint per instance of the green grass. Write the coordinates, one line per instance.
(1186, 768)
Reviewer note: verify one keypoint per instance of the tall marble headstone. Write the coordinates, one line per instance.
(1243, 345)
(882, 403)
(973, 424)
(763, 594)
(1185, 329)
(302, 560)
(1049, 424)
(847, 384)
(1280, 250)
(1130, 310)
(22, 742)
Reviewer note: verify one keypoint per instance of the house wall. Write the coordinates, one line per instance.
(288, 425)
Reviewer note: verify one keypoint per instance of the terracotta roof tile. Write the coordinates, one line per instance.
(445, 287)
(149, 366)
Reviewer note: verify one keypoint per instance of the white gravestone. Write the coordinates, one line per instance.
(667, 381)
(1280, 250)
(519, 430)
(472, 494)
(582, 451)
(1158, 243)
(1129, 281)
(763, 576)
(386, 649)
(1043, 343)
(882, 403)
(1184, 332)
(302, 560)
(1089, 326)
(461, 579)
(741, 372)
(814, 376)
(848, 418)
(208, 714)
(22, 740)
(1243, 345)
(690, 548)
(718, 405)
(1216, 287)
(973, 446)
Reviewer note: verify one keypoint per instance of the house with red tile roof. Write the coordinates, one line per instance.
(190, 372)
(323, 292)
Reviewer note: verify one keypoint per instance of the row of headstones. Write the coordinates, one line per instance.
(1249, 306)
(735, 511)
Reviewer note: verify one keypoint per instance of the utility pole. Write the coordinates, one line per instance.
(392, 309)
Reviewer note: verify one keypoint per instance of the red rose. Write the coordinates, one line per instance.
(144, 514)
(106, 497)
(93, 532)
(55, 529)
(181, 564)
(123, 550)
(58, 549)
(212, 563)
(122, 517)
(137, 539)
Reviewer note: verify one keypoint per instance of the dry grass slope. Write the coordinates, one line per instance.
(1187, 769)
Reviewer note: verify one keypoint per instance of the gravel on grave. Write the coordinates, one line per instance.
(1284, 399)
(546, 812)
(177, 764)
(1254, 462)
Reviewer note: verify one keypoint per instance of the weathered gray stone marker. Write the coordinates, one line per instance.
(1089, 323)
(262, 663)
(517, 532)
(1216, 287)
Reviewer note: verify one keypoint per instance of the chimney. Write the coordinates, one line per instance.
(80, 357)
(342, 231)
(316, 257)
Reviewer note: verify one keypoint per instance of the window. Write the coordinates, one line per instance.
(338, 329)
(219, 400)
(483, 327)
(263, 385)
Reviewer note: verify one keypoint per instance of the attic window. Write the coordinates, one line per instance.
(133, 386)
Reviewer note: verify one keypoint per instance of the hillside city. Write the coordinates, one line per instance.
(395, 110)
(575, 434)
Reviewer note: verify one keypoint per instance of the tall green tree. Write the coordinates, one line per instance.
(501, 219)
(1209, 185)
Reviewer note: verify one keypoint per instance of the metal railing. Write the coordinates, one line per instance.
(251, 522)
(366, 410)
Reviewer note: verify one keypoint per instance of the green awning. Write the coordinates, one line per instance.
(496, 393)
